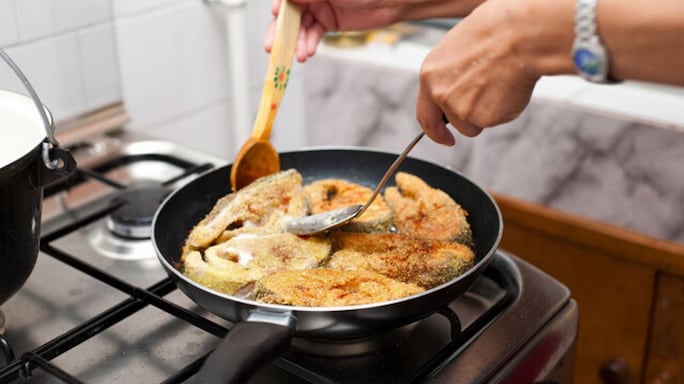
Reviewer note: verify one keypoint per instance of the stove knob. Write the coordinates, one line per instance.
(615, 371)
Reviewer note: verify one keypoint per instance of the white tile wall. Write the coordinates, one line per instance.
(54, 69)
(9, 32)
(129, 7)
(41, 18)
(100, 65)
(175, 73)
(66, 49)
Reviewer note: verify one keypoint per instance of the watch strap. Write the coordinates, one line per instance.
(589, 54)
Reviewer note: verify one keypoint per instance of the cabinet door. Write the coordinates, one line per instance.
(613, 298)
(665, 361)
(614, 295)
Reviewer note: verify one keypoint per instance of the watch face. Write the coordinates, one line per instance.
(587, 62)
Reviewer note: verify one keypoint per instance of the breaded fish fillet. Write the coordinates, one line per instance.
(271, 200)
(230, 266)
(328, 287)
(329, 194)
(424, 262)
(423, 211)
(229, 278)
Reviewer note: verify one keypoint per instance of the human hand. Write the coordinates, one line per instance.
(484, 71)
(321, 16)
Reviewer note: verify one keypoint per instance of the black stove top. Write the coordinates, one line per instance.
(99, 308)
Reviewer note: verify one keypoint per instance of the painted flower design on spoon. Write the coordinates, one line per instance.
(281, 77)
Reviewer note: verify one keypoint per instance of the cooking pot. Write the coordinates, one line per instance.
(262, 331)
(30, 159)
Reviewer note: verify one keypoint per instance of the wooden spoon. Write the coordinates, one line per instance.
(257, 156)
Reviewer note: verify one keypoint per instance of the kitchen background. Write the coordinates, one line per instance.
(191, 72)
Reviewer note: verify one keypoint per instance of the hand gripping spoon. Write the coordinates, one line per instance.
(326, 221)
(257, 157)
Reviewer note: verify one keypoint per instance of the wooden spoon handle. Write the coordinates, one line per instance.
(278, 73)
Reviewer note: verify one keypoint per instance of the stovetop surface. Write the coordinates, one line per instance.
(102, 310)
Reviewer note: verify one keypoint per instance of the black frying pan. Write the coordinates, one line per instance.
(262, 331)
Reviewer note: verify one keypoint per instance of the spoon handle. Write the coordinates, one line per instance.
(390, 172)
(279, 65)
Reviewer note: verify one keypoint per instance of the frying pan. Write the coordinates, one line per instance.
(262, 331)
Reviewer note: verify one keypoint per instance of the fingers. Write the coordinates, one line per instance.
(430, 118)
(464, 127)
(275, 7)
(314, 36)
(268, 41)
(434, 121)
(310, 34)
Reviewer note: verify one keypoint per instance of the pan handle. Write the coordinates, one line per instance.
(249, 345)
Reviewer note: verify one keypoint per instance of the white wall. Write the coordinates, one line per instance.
(66, 48)
(166, 59)
(175, 73)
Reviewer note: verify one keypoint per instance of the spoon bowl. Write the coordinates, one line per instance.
(256, 158)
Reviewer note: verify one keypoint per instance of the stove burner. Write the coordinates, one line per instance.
(117, 247)
(3, 320)
(133, 220)
(5, 348)
(355, 347)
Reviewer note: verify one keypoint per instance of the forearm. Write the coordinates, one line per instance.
(420, 9)
(644, 41)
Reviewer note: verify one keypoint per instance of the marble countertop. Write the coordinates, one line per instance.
(611, 167)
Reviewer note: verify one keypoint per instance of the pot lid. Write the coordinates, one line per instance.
(21, 127)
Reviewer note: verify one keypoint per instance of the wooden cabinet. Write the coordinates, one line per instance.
(631, 313)
(666, 344)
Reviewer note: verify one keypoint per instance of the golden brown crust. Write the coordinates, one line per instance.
(424, 262)
(423, 211)
(329, 194)
(278, 195)
(328, 287)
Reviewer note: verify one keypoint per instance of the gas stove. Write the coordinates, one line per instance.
(99, 308)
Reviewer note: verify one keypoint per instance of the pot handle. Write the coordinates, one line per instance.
(247, 348)
(63, 161)
(51, 144)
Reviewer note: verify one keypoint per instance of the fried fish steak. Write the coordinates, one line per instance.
(228, 277)
(424, 262)
(270, 200)
(230, 266)
(423, 211)
(329, 194)
(329, 287)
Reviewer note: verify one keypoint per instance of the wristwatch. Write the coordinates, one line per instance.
(588, 53)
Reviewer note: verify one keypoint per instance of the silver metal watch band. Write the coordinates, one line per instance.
(585, 19)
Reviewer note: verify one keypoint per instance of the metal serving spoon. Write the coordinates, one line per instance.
(326, 221)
